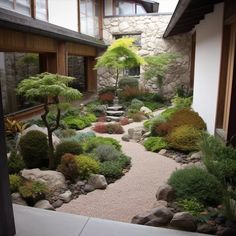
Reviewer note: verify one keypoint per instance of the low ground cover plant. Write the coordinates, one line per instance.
(155, 144)
(110, 128)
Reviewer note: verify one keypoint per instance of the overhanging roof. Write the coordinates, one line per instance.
(150, 6)
(187, 14)
(19, 22)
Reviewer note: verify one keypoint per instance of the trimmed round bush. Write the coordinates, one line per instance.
(72, 147)
(196, 183)
(87, 166)
(128, 82)
(154, 125)
(184, 138)
(112, 170)
(81, 136)
(115, 128)
(69, 167)
(92, 143)
(106, 153)
(34, 149)
(155, 144)
(124, 161)
(136, 104)
(15, 183)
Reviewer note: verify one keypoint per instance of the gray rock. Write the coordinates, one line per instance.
(54, 180)
(184, 221)
(162, 152)
(57, 203)
(88, 188)
(165, 192)
(66, 196)
(125, 138)
(17, 199)
(97, 181)
(179, 159)
(206, 228)
(80, 183)
(196, 156)
(136, 133)
(147, 134)
(142, 218)
(44, 204)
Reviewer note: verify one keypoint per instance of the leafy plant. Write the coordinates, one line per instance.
(87, 166)
(112, 170)
(120, 54)
(182, 102)
(155, 144)
(156, 67)
(33, 191)
(184, 138)
(49, 88)
(136, 104)
(128, 82)
(72, 147)
(15, 163)
(34, 149)
(65, 133)
(115, 128)
(192, 206)
(81, 137)
(94, 142)
(106, 153)
(15, 183)
(196, 183)
(69, 167)
(167, 114)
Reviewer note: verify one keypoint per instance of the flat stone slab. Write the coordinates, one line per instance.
(113, 118)
(114, 108)
(115, 113)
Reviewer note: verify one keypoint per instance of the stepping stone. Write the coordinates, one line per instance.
(114, 108)
(115, 113)
(113, 118)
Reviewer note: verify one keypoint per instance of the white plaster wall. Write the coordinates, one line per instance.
(63, 13)
(207, 66)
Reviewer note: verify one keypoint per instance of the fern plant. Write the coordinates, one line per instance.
(49, 88)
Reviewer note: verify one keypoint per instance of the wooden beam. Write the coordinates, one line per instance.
(77, 49)
(62, 58)
(7, 225)
(91, 75)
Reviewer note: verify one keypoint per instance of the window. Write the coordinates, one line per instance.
(140, 9)
(89, 17)
(33, 8)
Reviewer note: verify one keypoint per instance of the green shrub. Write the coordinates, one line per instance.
(155, 123)
(124, 161)
(155, 144)
(184, 138)
(15, 183)
(112, 170)
(33, 191)
(90, 117)
(15, 163)
(196, 183)
(65, 133)
(152, 105)
(34, 149)
(136, 104)
(74, 122)
(128, 82)
(182, 102)
(167, 114)
(92, 143)
(81, 136)
(192, 206)
(220, 160)
(69, 167)
(97, 110)
(72, 147)
(108, 89)
(106, 153)
(114, 128)
(87, 166)
(158, 98)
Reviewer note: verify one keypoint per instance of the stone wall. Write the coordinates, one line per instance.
(151, 29)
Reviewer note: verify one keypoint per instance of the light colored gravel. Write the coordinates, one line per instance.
(133, 193)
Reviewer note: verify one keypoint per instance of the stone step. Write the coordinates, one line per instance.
(113, 118)
(114, 108)
(115, 113)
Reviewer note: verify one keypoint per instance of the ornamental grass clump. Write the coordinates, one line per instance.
(196, 183)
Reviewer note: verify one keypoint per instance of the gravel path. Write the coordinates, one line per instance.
(133, 193)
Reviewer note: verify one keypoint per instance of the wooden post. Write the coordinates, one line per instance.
(7, 225)
(62, 58)
(91, 75)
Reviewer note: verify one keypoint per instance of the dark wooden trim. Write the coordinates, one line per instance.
(47, 11)
(193, 54)
(7, 225)
(33, 8)
(78, 5)
(229, 11)
(223, 77)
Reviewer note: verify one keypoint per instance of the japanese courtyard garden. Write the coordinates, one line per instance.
(129, 154)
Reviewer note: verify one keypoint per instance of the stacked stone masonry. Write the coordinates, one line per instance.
(151, 28)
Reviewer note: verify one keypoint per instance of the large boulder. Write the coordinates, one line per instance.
(55, 181)
(146, 111)
(44, 204)
(136, 133)
(184, 221)
(17, 199)
(55, 139)
(97, 181)
(156, 217)
(66, 196)
(166, 193)
(206, 228)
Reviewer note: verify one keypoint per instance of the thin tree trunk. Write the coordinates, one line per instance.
(51, 151)
(117, 80)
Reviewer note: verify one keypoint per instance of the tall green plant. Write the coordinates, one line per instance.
(156, 67)
(120, 55)
(48, 88)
